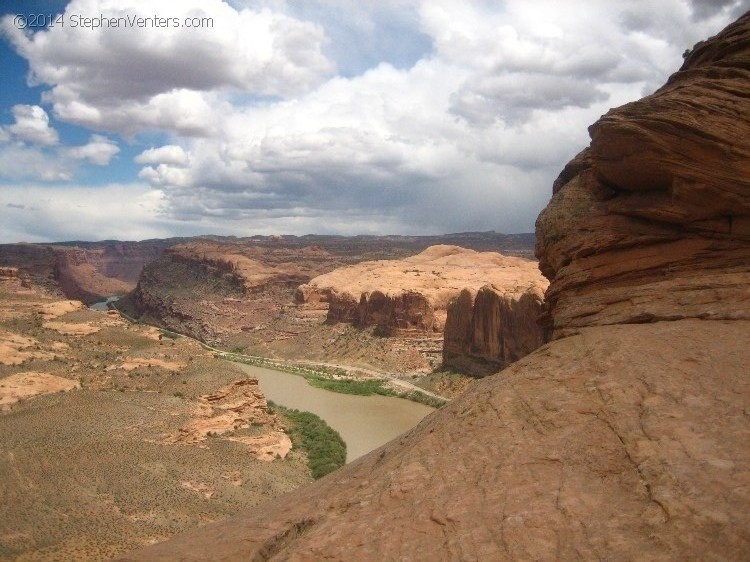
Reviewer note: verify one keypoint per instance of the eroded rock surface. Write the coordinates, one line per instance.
(652, 222)
(413, 293)
(493, 327)
(628, 437)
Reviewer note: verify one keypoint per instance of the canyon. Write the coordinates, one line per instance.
(624, 437)
(86, 271)
(294, 297)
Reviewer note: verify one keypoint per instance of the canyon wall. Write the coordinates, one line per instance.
(252, 294)
(657, 209)
(488, 329)
(410, 295)
(626, 437)
(87, 271)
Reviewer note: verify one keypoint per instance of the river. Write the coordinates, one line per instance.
(102, 305)
(364, 422)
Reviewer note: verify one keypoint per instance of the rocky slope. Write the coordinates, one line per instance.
(103, 428)
(412, 294)
(625, 438)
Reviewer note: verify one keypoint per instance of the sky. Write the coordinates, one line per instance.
(142, 119)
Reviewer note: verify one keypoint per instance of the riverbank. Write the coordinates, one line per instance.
(334, 377)
(364, 422)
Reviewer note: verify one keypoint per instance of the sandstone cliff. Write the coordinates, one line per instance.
(87, 271)
(239, 293)
(624, 439)
(657, 210)
(491, 328)
(412, 294)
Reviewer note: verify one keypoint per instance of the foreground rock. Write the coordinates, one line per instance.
(412, 294)
(581, 450)
(624, 439)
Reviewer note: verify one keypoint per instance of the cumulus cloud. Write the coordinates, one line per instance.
(99, 150)
(169, 154)
(154, 76)
(31, 125)
(481, 127)
(466, 131)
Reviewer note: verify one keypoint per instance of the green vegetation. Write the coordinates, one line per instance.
(169, 334)
(325, 449)
(351, 386)
(334, 379)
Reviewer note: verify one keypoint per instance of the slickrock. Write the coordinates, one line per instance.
(628, 437)
(14, 348)
(53, 310)
(413, 293)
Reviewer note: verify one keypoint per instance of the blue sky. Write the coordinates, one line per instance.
(321, 116)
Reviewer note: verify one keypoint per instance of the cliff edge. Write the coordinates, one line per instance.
(413, 293)
(625, 438)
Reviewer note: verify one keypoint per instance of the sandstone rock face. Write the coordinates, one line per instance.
(652, 222)
(89, 272)
(412, 294)
(487, 330)
(251, 275)
(626, 438)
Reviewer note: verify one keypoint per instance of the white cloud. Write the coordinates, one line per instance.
(31, 125)
(469, 135)
(43, 213)
(154, 77)
(169, 154)
(99, 150)
(481, 128)
(20, 162)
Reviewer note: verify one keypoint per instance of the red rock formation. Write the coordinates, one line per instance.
(412, 294)
(658, 209)
(619, 440)
(89, 272)
(488, 330)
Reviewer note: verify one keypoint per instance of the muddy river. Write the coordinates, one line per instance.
(102, 305)
(364, 422)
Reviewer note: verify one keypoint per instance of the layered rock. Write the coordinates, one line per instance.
(625, 438)
(87, 271)
(412, 294)
(248, 274)
(652, 222)
(491, 328)
(213, 290)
